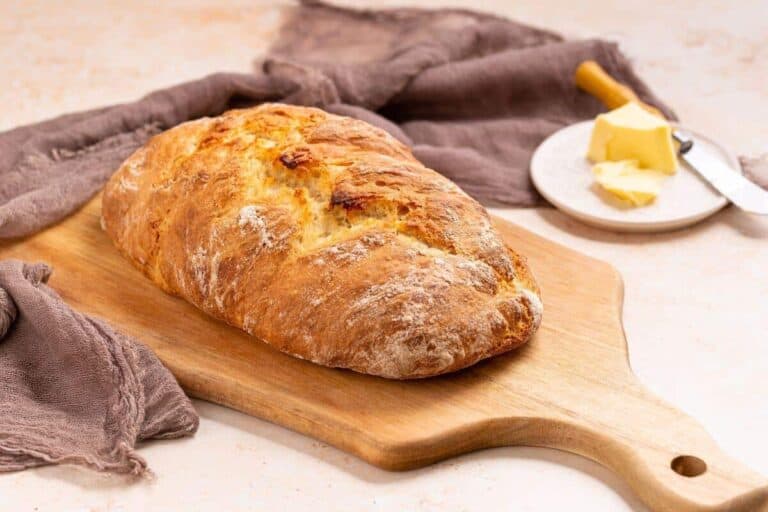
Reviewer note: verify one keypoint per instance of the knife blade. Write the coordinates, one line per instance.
(732, 184)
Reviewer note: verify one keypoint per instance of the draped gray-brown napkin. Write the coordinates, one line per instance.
(72, 389)
(473, 94)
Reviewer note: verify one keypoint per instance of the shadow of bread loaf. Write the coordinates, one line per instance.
(324, 237)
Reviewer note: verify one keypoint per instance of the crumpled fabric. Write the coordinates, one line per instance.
(72, 389)
(756, 169)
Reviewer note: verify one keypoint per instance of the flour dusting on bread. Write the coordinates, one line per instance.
(250, 218)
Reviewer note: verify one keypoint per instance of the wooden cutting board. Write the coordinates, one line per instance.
(570, 388)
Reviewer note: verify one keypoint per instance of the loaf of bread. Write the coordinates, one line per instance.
(324, 237)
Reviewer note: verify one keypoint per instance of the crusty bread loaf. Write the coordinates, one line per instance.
(324, 237)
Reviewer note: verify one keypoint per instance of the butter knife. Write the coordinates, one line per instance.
(748, 196)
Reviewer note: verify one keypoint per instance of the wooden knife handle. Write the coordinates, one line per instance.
(592, 78)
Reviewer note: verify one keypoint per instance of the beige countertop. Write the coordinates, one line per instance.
(696, 308)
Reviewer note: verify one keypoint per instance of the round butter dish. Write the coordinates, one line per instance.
(562, 174)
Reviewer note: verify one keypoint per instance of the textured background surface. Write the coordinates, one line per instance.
(695, 311)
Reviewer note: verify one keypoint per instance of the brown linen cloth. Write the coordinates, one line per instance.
(73, 390)
(473, 94)
(756, 169)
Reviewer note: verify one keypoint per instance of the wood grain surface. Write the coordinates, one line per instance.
(571, 388)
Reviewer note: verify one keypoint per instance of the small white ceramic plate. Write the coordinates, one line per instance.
(562, 174)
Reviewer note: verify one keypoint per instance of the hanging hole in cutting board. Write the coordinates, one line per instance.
(688, 465)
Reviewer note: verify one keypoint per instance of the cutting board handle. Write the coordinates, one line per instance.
(664, 455)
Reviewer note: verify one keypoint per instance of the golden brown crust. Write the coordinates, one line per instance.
(324, 237)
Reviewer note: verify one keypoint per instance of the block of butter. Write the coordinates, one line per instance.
(632, 133)
(627, 181)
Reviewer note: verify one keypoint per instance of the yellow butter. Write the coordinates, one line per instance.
(632, 133)
(627, 181)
